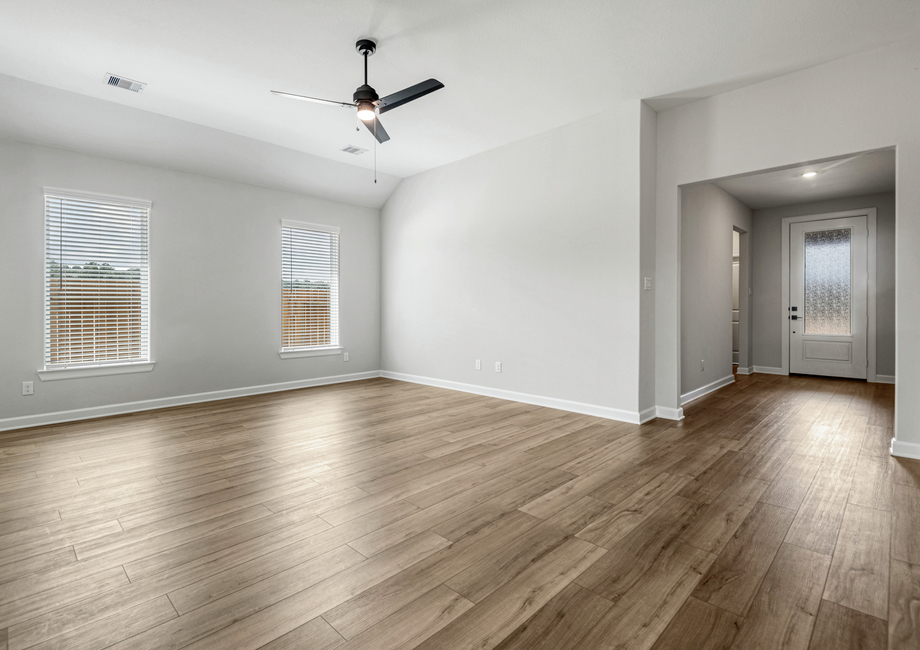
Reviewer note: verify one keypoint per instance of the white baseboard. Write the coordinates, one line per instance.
(57, 417)
(905, 449)
(607, 412)
(669, 413)
(884, 379)
(648, 414)
(767, 370)
(745, 371)
(705, 390)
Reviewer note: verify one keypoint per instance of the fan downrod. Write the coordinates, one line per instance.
(366, 47)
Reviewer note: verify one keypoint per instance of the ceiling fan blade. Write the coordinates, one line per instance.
(406, 95)
(377, 129)
(312, 99)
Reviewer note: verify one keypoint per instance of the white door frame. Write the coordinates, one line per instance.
(871, 219)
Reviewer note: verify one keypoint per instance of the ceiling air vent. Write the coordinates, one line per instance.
(121, 82)
(354, 150)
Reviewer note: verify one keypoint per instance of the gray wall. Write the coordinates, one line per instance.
(767, 283)
(215, 281)
(528, 254)
(648, 168)
(708, 217)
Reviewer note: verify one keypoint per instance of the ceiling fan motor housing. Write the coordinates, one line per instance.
(368, 102)
(365, 93)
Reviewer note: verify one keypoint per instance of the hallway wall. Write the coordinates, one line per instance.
(708, 215)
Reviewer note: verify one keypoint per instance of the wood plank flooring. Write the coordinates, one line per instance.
(382, 515)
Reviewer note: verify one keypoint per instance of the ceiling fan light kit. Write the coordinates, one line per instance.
(366, 99)
(366, 111)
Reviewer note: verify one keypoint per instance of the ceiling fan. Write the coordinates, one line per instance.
(368, 102)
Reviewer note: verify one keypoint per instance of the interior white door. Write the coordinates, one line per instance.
(828, 295)
(736, 312)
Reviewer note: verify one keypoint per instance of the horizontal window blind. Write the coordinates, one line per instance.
(309, 286)
(96, 280)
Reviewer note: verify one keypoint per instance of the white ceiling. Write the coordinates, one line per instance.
(31, 112)
(857, 175)
(511, 68)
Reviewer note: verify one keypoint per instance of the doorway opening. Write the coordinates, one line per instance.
(736, 300)
(757, 208)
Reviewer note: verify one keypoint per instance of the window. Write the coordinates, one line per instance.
(309, 290)
(96, 285)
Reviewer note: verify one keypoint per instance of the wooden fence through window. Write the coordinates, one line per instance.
(94, 319)
(306, 315)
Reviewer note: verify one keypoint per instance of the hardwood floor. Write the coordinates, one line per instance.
(385, 515)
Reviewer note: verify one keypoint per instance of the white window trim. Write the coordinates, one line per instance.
(296, 353)
(95, 196)
(96, 370)
(285, 223)
(58, 372)
(330, 350)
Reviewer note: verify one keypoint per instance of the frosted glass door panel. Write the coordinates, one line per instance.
(828, 290)
(827, 282)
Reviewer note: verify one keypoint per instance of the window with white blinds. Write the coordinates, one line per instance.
(96, 280)
(309, 286)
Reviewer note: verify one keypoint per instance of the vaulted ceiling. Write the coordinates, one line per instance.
(511, 69)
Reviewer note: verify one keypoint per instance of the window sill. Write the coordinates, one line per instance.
(311, 352)
(76, 372)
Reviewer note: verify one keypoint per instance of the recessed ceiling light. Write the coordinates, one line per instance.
(809, 174)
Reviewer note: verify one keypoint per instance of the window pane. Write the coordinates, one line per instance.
(96, 281)
(309, 288)
(827, 282)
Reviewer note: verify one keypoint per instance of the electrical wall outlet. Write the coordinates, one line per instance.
(478, 364)
(702, 365)
(498, 366)
(28, 388)
(345, 357)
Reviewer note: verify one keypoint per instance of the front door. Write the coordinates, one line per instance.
(828, 297)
